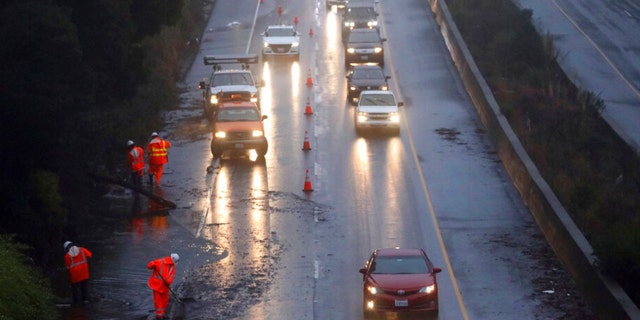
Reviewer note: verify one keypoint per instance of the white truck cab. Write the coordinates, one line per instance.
(236, 80)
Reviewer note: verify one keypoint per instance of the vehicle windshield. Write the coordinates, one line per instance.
(367, 74)
(371, 99)
(360, 14)
(399, 265)
(360, 37)
(226, 79)
(280, 32)
(238, 114)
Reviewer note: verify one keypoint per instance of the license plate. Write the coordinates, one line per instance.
(280, 49)
(402, 303)
(364, 57)
(239, 145)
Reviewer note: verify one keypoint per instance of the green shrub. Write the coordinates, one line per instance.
(24, 292)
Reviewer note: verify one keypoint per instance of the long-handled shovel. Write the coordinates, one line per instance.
(181, 311)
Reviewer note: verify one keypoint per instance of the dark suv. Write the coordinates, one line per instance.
(365, 77)
(364, 46)
(359, 15)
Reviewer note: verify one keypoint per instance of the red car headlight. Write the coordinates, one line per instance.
(428, 289)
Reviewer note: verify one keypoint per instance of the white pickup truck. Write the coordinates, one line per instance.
(377, 109)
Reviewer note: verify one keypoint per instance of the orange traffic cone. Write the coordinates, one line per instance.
(307, 183)
(309, 80)
(279, 11)
(295, 20)
(306, 146)
(261, 1)
(307, 109)
(310, 31)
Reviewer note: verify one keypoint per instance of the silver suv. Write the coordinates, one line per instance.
(281, 40)
(377, 109)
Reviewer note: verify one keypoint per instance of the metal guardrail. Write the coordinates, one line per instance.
(607, 298)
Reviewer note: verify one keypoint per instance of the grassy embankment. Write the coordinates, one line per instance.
(592, 171)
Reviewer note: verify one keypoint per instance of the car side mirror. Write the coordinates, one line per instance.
(387, 77)
(260, 83)
(264, 117)
(202, 85)
(383, 39)
(437, 270)
(363, 270)
(400, 104)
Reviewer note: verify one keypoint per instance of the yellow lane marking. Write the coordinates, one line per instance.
(423, 182)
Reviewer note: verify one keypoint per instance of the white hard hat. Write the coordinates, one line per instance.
(130, 143)
(66, 245)
(155, 134)
(175, 257)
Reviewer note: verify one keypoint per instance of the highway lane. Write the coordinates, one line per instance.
(437, 185)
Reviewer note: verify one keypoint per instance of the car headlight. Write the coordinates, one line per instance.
(351, 50)
(257, 133)
(266, 44)
(372, 24)
(372, 289)
(362, 117)
(220, 134)
(377, 49)
(254, 99)
(428, 289)
(349, 24)
(295, 44)
(384, 87)
(214, 99)
(394, 117)
(353, 88)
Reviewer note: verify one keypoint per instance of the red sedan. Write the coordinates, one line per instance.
(399, 280)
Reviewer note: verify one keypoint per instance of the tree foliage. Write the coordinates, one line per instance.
(79, 78)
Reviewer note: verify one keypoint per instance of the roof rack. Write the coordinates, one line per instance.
(243, 59)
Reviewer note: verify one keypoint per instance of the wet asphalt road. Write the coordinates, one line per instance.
(255, 246)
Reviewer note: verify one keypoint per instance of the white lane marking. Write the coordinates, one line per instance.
(316, 267)
(253, 26)
(212, 184)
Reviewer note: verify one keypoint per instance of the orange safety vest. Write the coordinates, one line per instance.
(77, 264)
(163, 274)
(136, 158)
(157, 149)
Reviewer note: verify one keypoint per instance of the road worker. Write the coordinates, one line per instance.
(76, 260)
(135, 157)
(162, 275)
(157, 151)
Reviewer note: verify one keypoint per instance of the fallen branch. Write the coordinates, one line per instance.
(147, 193)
